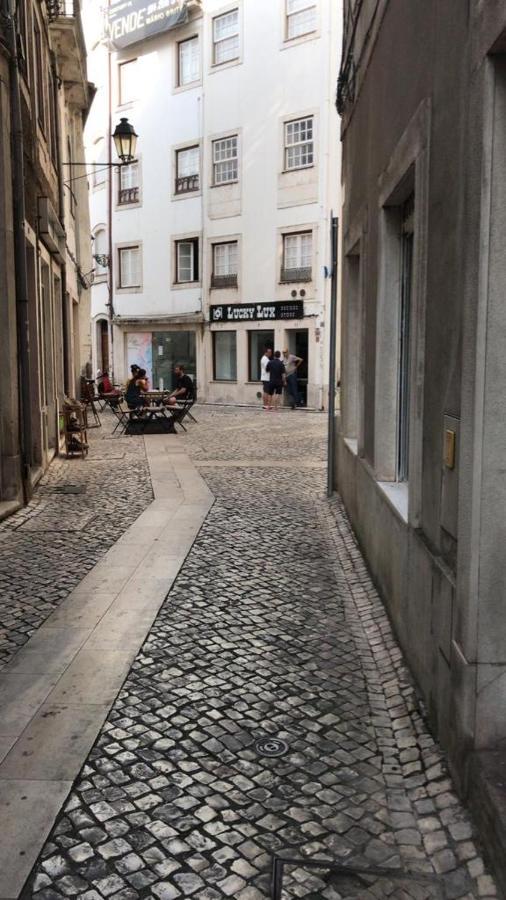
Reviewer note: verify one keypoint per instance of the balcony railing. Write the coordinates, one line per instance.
(295, 276)
(224, 281)
(186, 184)
(57, 9)
(128, 195)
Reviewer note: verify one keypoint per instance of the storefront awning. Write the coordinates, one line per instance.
(150, 322)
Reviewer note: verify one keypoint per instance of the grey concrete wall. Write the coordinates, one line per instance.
(441, 568)
(10, 466)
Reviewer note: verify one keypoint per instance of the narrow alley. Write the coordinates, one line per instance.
(269, 712)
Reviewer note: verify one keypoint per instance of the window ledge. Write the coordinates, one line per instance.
(352, 445)
(397, 494)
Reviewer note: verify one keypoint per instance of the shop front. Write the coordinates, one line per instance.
(157, 351)
(238, 337)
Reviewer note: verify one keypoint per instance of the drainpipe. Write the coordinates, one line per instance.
(332, 361)
(20, 261)
(67, 378)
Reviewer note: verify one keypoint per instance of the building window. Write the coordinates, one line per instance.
(226, 37)
(299, 143)
(99, 171)
(128, 184)
(187, 261)
(297, 257)
(130, 267)
(258, 343)
(300, 18)
(127, 79)
(225, 160)
(189, 61)
(225, 258)
(187, 170)
(100, 252)
(225, 355)
(407, 242)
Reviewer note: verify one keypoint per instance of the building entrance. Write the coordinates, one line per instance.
(298, 344)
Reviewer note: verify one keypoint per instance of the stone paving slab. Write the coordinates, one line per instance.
(56, 692)
(273, 629)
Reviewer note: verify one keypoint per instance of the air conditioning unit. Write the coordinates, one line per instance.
(51, 231)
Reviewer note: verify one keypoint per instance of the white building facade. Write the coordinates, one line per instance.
(214, 244)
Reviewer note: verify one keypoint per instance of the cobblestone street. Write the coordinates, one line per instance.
(272, 629)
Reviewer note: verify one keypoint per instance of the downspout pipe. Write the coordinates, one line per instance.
(20, 260)
(332, 361)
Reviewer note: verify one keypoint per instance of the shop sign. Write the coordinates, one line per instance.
(257, 312)
(130, 21)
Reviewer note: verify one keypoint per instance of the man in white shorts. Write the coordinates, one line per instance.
(265, 377)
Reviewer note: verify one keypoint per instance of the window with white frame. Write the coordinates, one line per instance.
(127, 81)
(297, 257)
(129, 259)
(100, 251)
(128, 184)
(300, 18)
(299, 143)
(226, 37)
(187, 170)
(225, 263)
(187, 261)
(189, 61)
(225, 160)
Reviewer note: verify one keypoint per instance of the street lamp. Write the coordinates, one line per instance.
(125, 141)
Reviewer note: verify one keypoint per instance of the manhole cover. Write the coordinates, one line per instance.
(270, 746)
(69, 489)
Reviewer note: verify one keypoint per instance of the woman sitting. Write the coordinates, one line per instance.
(136, 386)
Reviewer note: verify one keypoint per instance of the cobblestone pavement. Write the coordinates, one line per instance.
(49, 546)
(272, 630)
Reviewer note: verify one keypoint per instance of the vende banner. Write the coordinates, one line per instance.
(130, 21)
(255, 312)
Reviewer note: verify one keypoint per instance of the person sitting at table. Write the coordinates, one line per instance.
(183, 389)
(136, 386)
(106, 389)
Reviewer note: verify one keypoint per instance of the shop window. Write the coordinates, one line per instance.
(225, 355)
(187, 261)
(258, 342)
(226, 37)
(170, 348)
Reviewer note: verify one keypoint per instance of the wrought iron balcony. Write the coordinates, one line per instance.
(296, 276)
(57, 9)
(128, 195)
(187, 183)
(224, 281)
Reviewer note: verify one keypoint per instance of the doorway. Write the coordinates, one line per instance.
(298, 344)
(103, 345)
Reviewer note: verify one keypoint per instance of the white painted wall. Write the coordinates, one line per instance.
(272, 80)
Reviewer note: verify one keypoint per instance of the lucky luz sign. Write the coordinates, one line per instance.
(130, 21)
(255, 312)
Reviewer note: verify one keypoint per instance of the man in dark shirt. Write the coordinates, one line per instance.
(276, 369)
(184, 386)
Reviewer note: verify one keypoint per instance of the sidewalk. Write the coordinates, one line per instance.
(271, 632)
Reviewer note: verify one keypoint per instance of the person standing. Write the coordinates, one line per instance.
(292, 363)
(264, 377)
(276, 369)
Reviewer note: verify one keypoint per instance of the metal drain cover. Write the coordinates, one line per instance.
(69, 489)
(271, 746)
